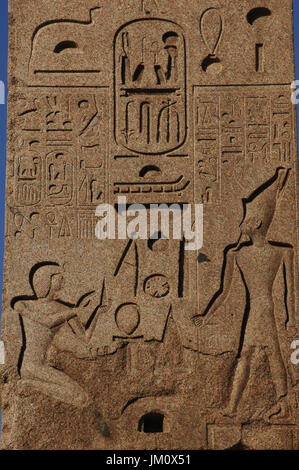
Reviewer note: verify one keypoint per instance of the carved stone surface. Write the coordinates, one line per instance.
(141, 344)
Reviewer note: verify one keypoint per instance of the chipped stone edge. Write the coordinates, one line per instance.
(2, 368)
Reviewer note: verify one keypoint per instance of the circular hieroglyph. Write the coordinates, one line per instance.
(156, 286)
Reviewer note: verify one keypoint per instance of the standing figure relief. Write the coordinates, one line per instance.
(258, 261)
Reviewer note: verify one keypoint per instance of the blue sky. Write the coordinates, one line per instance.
(3, 73)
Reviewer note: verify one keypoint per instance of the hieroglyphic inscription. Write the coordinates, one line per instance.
(211, 29)
(207, 138)
(150, 103)
(60, 157)
(238, 127)
(56, 52)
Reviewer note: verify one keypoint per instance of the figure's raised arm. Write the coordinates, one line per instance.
(226, 279)
(50, 320)
(59, 318)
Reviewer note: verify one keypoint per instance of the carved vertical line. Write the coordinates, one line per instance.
(21, 356)
(245, 132)
(137, 269)
(220, 154)
(181, 269)
(259, 57)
